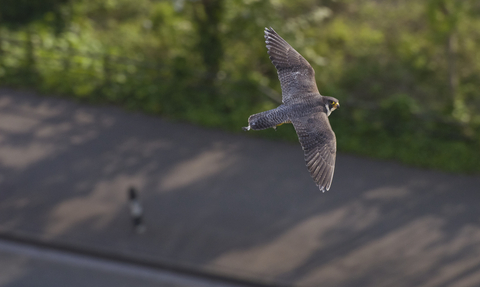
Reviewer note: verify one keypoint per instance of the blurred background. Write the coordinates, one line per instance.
(406, 72)
(98, 96)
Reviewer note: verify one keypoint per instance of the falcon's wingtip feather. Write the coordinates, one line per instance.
(323, 189)
(269, 30)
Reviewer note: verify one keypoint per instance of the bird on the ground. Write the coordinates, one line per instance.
(136, 210)
(304, 107)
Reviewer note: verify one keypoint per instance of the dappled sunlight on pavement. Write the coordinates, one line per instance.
(99, 207)
(204, 165)
(308, 236)
(226, 203)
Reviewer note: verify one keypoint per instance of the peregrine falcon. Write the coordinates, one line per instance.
(304, 107)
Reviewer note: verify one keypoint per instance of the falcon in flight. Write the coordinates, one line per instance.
(304, 107)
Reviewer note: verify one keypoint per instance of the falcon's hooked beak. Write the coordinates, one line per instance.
(335, 105)
(330, 106)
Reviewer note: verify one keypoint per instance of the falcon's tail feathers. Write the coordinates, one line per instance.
(267, 119)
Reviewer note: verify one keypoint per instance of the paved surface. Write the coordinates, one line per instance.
(23, 265)
(228, 204)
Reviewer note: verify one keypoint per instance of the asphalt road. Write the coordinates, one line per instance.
(25, 265)
(228, 204)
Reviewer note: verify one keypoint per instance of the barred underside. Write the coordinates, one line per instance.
(268, 119)
(304, 107)
(296, 76)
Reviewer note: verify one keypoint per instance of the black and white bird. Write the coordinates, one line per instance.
(304, 107)
(136, 210)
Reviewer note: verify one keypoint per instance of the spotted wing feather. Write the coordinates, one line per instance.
(319, 145)
(296, 76)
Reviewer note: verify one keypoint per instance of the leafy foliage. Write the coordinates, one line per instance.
(405, 72)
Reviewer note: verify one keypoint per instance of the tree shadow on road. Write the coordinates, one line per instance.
(228, 203)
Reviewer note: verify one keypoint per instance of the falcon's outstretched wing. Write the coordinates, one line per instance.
(319, 145)
(297, 77)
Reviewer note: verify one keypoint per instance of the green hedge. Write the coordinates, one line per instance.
(406, 76)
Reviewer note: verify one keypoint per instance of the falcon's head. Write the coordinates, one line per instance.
(331, 104)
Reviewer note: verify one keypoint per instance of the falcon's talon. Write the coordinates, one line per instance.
(304, 107)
